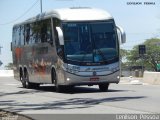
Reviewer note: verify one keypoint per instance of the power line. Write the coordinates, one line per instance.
(21, 15)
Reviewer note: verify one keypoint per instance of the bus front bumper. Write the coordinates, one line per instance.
(72, 79)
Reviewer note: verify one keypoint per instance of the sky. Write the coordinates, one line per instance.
(140, 22)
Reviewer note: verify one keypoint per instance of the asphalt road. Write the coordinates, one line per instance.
(120, 99)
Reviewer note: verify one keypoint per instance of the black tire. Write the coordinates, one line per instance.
(58, 88)
(25, 81)
(22, 78)
(104, 87)
(53, 76)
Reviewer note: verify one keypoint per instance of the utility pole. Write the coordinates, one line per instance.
(41, 5)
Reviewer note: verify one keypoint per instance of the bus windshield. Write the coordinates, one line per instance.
(93, 42)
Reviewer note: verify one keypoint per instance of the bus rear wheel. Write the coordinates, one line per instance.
(23, 82)
(26, 83)
(104, 87)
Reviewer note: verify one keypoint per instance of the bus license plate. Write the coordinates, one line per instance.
(94, 79)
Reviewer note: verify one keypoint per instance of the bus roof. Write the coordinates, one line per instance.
(73, 14)
(80, 14)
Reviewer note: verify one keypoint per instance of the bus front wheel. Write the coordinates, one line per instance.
(104, 87)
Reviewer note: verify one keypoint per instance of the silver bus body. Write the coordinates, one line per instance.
(40, 59)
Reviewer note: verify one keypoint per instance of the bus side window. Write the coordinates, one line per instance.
(59, 48)
(34, 37)
(19, 35)
(14, 36)
(35, 32)
(46, 32)
(57, 40)
(17, 30)
(43, 32)
(49, 33)
(27, 34)
(22, 35)
(40, 31)
(56, 23)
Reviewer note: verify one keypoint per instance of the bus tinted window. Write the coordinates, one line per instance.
(42, 31)
(14, 36)
(22, 35)
(27, 33)
(38, 32)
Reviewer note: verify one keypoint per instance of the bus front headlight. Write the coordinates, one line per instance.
(72, 68)
(76, 69)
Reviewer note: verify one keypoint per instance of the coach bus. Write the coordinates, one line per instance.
(67, 47)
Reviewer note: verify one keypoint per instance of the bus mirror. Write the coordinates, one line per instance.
(121, 35)
(60, 35)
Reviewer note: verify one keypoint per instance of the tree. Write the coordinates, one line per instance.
(150, 59)
(153, 52)
(123, 55)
